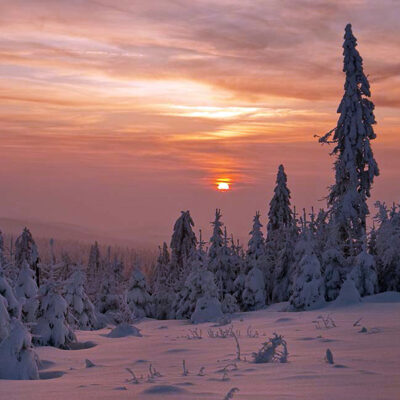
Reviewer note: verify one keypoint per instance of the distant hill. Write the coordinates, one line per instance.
(60, 231)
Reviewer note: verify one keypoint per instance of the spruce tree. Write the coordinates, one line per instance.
(163, 294)
(355, 166)
(137, 296)
(27, 292)
(26, 250)
(334, 267)
(388, 247)
(281, 234)
(81, 311)
(4, 318)
(280, 214)
(18, 360)
(364, 273)
(216, 240)
(52, 328)
(93, 270)
(183, 242)
(13, 305)
(308, 285)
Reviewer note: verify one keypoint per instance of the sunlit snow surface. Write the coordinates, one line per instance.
(367, 365)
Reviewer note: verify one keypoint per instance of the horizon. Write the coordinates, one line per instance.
(117, 117)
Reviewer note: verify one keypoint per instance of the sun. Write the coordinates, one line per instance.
(223, 186)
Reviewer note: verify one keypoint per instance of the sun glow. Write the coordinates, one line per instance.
(223, 186)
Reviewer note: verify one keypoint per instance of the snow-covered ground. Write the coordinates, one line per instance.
(366, 364)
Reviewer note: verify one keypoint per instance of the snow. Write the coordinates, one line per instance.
(366, 365)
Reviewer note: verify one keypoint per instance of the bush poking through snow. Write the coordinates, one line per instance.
(329, 357)
(324, 322)
(89, 364)
(221, 333)
(194, 334)
(17, 357)
(273, 350)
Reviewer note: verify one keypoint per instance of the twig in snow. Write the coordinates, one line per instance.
(201, 372)
(185, 371)
(237, 346)
(133, 379)
(231, 393)
(357, 323)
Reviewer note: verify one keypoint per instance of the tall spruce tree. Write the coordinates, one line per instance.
(281, 235)
(216, 240)
(93, 270)
(26, 250)
(183, 242)
(355, 166)
(280, 214)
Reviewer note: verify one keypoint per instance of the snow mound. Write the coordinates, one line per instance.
(348, 295)
(385, 297)
(124, 330)
(208, 309)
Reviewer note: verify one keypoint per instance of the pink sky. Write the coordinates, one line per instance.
(116, 115)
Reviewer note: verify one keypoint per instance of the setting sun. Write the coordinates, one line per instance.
(223, 186)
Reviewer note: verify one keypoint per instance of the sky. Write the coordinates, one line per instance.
(116, 115)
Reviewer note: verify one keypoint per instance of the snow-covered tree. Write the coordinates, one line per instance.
(161, 269)
(4, 318)
(308, 288)
(255, 254)
(163, 293)
(137, 296)
(27, 291)
(199, 283)
(280, 214)
(280, 239)
(355, 166)
(334, 268)
(93, 270)
(281, 277)
(241, 267)
(364, 273)
(81, 311)
(52, 328)
(254, 296)
(216, 240)
(388, 247)
(26, 250)
(183, 242)
(111, 303)
(224, 269)
(17, 357)
(13, 305)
